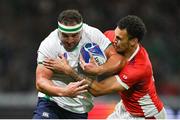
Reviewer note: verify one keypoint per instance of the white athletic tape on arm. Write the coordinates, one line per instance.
(121, 82)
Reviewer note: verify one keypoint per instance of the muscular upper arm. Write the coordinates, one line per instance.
(41, 71)
(110, 50)
(115, 62)
(107, 86)
(42, 74)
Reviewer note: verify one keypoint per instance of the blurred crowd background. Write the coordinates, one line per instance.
(25, 23)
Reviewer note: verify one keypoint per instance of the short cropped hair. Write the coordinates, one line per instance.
(70, 16)
(134, 26)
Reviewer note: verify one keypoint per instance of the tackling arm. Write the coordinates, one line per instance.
(107, 86)
(114, 63)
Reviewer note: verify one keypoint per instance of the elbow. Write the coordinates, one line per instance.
(38, 85)
(96, 93)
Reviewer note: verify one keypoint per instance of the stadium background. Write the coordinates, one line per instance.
(25, 23)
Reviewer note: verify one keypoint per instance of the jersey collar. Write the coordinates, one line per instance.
(135, 52)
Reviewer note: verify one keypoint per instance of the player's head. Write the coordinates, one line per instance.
(129, 32)
(70, 23)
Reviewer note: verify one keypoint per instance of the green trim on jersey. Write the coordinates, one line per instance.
(108, 46)
(40, 62)
(47, 97)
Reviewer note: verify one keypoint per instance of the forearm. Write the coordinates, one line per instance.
(113, 65)
(78, 77)
(95, 88)
(47, 87)
(106, 86)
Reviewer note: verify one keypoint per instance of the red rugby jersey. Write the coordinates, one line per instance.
(140, 98)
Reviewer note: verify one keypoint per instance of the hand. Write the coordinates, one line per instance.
(91, 67)
(59, 64)
(75, 89)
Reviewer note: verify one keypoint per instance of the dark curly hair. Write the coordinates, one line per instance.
(70, 16)
(134, 26)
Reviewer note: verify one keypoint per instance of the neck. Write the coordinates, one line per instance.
(131, 51)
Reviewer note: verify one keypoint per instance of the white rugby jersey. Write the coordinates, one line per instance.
(51, 47)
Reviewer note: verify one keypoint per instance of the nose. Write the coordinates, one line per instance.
(70, 39)
(115, 41)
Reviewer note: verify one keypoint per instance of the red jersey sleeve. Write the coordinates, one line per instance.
(110, 35)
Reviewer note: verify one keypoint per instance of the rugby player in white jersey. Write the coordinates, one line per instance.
(135, 81)
(60, 96)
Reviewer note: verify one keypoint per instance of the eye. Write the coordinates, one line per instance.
(75, 35)
(118, 38)
(64, 35)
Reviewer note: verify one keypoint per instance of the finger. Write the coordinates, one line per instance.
(75, 84)
(84, 82)
(78, 83)
(82, 62)
(81, 92)
(46, 64)
(62, 57)
(48, 61)
(91, 56)
(83, 87)
(59, 56)
(49, 67)
(92, 59)
(81, 97)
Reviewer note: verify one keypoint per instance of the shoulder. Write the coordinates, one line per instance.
(50, 45)
(110, 34)
(143, 57)
(50, 40)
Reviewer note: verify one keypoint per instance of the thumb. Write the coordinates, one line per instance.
(63, 57)
(60, 56)
(82, 62)
(92, 59)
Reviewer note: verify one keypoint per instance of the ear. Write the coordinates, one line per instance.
(133, 41)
